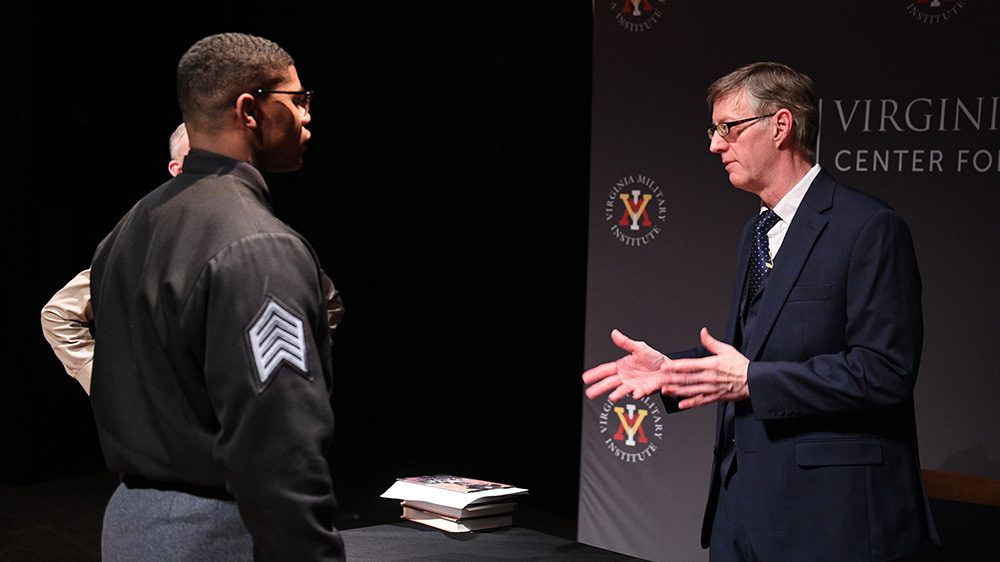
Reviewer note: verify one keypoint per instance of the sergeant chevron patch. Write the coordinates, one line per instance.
(275, 336)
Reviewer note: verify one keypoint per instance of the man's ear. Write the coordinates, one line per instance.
(246, 111)
(783, 122)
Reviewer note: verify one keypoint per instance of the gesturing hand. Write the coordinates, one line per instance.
(639, 373)
(721, 376)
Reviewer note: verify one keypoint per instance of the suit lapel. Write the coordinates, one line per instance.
(742, 262)
(806, 227)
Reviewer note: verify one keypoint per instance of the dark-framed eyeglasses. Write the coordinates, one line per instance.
(724, 128)
(301, 98)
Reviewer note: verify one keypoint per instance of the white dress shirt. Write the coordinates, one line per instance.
(786, 209)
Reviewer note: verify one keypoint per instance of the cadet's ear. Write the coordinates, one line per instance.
(246, 111)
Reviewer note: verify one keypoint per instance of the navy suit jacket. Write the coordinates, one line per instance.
(826, 444)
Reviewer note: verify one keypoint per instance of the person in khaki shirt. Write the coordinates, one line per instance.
(66, 322)
(66, 318)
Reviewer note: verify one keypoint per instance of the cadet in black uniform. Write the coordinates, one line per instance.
(212, 367)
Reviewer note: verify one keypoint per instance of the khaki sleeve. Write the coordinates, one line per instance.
(66, 322)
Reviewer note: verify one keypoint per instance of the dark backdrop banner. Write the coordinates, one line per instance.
(910, 112)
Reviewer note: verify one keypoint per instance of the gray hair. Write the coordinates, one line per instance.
(770, 86)
(179, 144)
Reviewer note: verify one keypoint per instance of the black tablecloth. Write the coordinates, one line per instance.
(412, 541)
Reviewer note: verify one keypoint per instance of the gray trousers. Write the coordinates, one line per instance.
(143, 525)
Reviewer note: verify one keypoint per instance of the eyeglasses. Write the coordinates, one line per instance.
(724, 128)
(301, 98)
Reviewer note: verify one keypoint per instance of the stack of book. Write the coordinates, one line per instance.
(454, 503)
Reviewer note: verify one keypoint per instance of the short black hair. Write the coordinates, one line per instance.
(217, 69)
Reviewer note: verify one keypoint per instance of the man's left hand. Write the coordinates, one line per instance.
(718, 377)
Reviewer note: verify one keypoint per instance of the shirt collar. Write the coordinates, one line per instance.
(789, 204)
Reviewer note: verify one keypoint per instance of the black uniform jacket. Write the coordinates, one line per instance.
(212, 364)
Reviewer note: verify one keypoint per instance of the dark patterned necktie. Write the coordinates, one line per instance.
(760, 258)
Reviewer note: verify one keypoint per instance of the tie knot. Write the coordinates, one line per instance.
(766, 220)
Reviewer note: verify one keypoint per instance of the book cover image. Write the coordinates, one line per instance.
(454, 483)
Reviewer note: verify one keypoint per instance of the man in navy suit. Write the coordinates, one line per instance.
(816, 447)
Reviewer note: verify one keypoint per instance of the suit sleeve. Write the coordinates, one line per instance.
(267, 374)
(66, 322)
(883, 336)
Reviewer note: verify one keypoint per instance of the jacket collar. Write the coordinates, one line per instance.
(214, 164)
(802, 234)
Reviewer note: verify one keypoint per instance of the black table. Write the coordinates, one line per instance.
(411, 541)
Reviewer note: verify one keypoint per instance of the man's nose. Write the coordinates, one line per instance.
(717, 144)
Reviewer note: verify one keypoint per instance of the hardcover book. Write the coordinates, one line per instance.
(456, 525)
(456, 492)
(470, 511)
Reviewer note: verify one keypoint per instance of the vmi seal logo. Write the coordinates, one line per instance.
(635, 210)
(934, 11)
(637, 15)
(631, 429)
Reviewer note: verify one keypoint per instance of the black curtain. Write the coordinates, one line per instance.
(445, 190)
